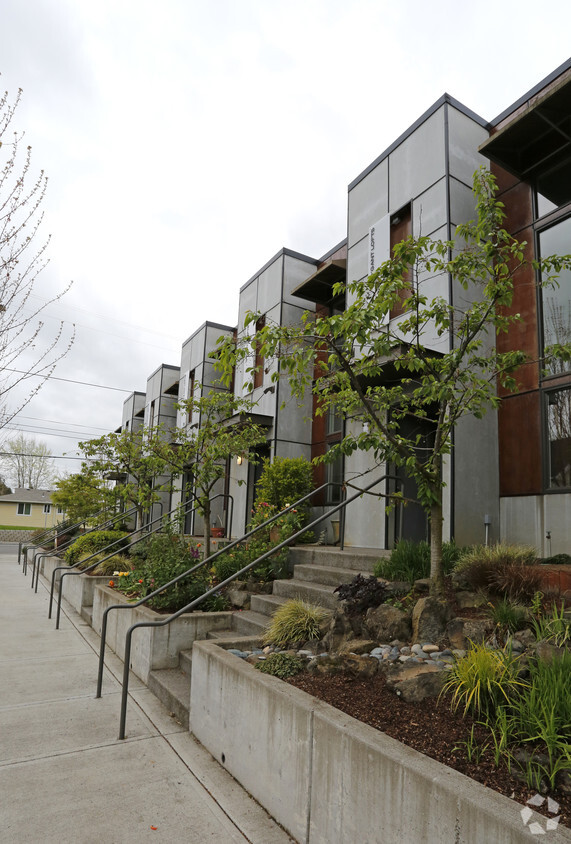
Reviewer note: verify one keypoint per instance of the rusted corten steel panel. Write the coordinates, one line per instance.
(517, 199)
(519, 422)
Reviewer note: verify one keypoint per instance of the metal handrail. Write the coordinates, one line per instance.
(106, 524)
(194, 568)
(228, 521)
(68, 570)
(70, 528)
(127, 653)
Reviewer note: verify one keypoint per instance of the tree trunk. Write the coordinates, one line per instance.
(206, 511)
(436, 573)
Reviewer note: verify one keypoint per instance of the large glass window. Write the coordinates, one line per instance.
(556, 240)
(334, 475)
(559, 433)
(24, 509)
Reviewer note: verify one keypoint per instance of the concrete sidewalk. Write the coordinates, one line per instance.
(64, 776)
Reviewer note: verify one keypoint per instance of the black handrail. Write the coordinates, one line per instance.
(69, 570)
(127, 654)
(106, 524)
(108, 521)
(228, 521)
(180, 577)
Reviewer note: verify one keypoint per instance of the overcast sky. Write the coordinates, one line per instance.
(186, 142)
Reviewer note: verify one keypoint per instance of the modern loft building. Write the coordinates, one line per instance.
(509, 474)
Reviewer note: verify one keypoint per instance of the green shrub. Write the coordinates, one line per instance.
(119, 562)
(483, 679)
(281, 665)
(284, 481)
(410, 561)
(295, 621)
(553, 627)
(557, 560)
(508, 616)
(276, 565)
(501, 569)
(94, 541)
(226, 565)
(167, 556)
(539, 717)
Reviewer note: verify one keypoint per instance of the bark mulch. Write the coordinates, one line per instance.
(431, 729)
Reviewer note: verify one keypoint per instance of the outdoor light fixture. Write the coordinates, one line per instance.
(239, 460)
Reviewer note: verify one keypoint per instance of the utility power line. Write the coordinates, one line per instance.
(68, 380)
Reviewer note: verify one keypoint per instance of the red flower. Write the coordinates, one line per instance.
(140, 581)
(111, 583)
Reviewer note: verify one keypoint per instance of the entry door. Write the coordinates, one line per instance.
(262, 452)
(414, 520)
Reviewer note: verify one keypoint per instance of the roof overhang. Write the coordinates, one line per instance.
(246, 418)
(388, 371)
(536, 145)
(318, 287)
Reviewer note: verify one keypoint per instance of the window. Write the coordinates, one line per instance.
(47, 508)
(259, 359)
(334, 420)
(556, 240)
(60, 511)
(24, 509)
(334, 475)
(333, 471)
(559, 435)
(401, 228)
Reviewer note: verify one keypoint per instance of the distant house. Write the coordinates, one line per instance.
(29, 508)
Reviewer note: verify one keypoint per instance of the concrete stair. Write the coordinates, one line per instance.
(317, 571)
(172, 685)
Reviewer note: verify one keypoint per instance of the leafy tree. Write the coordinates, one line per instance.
(25, 348)
(223, 430)
(29, 463)
(437, 382)
(82, 495)
(137, 457)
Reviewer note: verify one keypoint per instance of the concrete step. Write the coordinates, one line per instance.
(221, 635)
(185, 662)
(326, 575)
(244, 643)
(87, 614)
(172, 687)
(249, 622)
(266, 604)
(359, 559)
(321, 595)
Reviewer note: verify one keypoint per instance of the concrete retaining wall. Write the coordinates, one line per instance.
(329, 779)
(79, 589)
(152, 648)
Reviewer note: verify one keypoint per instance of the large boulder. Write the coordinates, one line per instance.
(414, 683)
(455, 634)
(341, 629)
(387, 623)
(477, 630)
(351, 664)
(429, 619)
